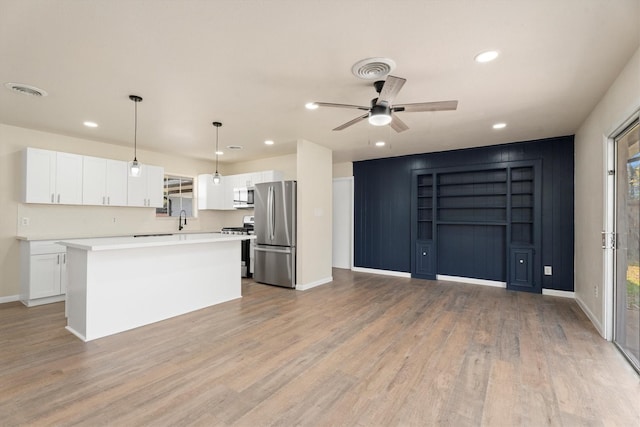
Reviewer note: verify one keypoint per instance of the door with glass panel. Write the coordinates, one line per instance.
(627, 283)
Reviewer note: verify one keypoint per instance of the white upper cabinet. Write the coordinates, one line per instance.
(52, 177)
(146, 190)
(104, 182)
(212, 196)
(220, 197)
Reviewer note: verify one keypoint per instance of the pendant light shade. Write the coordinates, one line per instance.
(135, 168)
(217, 178)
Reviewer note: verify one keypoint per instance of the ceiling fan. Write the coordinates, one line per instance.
(380, 113)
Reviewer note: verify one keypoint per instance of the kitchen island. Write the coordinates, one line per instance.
(120, 283)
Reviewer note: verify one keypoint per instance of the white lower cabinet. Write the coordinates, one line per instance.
(43, 272)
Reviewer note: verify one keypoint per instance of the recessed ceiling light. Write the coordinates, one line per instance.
(268, 142)
(380, 144)
(25, 89)
(90, 124)
(219, 153)
(487, 56)
(311, 106)
(500, 126)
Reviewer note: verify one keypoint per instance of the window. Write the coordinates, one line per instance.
(178, 196)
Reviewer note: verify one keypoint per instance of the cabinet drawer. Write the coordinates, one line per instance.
(46, 247)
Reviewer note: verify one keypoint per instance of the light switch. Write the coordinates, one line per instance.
(547, 270)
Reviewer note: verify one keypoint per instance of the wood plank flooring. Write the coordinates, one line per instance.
(365, 350)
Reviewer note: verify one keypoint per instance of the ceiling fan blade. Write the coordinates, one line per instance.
(390, 89)
(427, 106)
(352, 122)
(330, 104)
(397, 124)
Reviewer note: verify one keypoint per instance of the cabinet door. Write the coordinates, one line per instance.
(204, 182)
(521, 269)
(44, 275)
(40, 176)
(155, 184)
(425, 260)
(94, 170)
(116, 183)
(68, 179)
(137, 188)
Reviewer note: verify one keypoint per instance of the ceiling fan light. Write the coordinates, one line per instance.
(379, 119)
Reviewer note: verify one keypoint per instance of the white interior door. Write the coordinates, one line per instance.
(342, 222)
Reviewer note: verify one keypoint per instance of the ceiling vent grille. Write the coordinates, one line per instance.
(25, 89)
(373, 68)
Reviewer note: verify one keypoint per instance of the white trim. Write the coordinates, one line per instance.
(590, 315)
(557, 293)
(382, 272)
(10, 298)
(300, 287)
(471, 281)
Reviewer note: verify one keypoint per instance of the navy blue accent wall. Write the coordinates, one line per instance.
(383, 206)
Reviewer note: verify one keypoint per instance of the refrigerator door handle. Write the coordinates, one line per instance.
(280, 251)
(272, 211)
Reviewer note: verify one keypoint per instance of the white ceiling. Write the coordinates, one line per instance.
(253, 64)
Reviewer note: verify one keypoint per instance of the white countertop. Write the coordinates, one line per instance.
(130, 242)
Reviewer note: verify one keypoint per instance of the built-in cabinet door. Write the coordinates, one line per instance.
(40, 176)
(94, 175)
(68, 179)
(521, 268)
(45, 275)
(425, 260)
(155, 183)
(116, 183)
(137, 188)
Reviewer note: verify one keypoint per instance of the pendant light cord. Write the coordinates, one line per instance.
(135, 132)
(217, 128)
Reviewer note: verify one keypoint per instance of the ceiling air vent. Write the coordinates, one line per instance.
(25, 89)
(373, 68)
(234, 147)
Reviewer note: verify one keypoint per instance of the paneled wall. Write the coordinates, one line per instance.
(383, 203)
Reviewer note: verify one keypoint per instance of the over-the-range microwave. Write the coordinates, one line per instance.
(243, 198)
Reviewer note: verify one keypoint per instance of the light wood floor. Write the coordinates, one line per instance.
(365, 350)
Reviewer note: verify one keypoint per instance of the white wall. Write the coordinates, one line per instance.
(314, 243)
(342, 170)
(616, 106)
(47, 221)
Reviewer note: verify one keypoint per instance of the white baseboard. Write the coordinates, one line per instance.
(10, 298)
(557, 293)
(383, 272)
(471, 281)
(590, 315)
(304, 287)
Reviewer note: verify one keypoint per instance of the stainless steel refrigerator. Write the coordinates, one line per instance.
(275, 229)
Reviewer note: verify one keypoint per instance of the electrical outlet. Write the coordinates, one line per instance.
(25, 221)
(114, 219)
(547, 270)
(595, 290)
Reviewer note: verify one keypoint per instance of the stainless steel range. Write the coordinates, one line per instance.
(247, 245)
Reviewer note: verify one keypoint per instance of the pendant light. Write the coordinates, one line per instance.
(134, 166)
(217, 178)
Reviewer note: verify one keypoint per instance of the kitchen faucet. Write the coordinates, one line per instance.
(180, 225)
